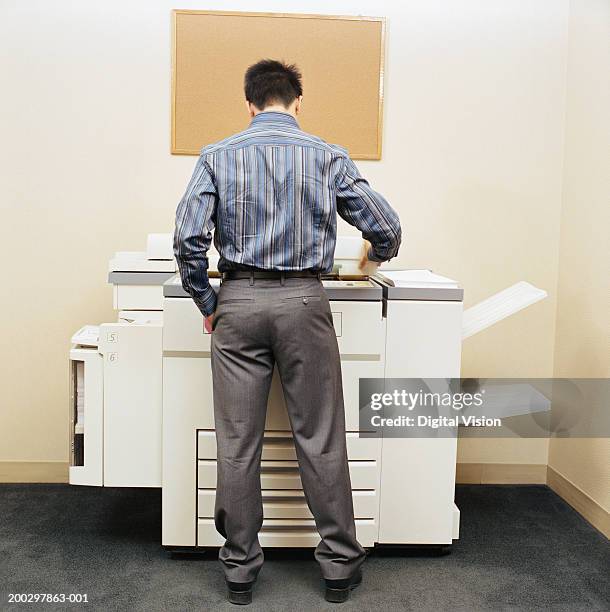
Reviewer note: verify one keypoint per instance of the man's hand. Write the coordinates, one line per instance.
(208, 323)
(366, 266)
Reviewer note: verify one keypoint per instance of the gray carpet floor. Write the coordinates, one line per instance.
(520, 548)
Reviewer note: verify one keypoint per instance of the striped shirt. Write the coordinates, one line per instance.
(271, 194)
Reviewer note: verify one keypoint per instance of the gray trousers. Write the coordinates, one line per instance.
(290, 325)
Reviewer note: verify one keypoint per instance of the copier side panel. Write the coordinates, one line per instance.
(187, 406)
(418, 475)
(132, 404)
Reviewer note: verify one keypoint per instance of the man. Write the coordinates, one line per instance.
(272, 194)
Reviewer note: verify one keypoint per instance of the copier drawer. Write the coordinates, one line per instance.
(137, 297)
(298, 533)
(285, 474)
(279, 446)
(183, 327)
(360, 328)
(291, 504)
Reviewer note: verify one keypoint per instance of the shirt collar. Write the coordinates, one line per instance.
(274, 117)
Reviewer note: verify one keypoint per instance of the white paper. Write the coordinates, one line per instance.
(348, 247)
(87, 336)
(419, 279)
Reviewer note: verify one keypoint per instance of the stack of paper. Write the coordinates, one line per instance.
(418, 279)
(80, 397)
(88, 335)
(499, 306)
(348, 247)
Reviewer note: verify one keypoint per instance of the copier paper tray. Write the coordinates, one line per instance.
(499, 306)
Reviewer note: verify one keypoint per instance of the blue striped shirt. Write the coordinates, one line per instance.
(271, 194)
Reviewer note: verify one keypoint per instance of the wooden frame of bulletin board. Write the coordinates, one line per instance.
(341, 58)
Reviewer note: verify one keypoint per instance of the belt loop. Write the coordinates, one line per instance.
(282, 279)
(319, 275)
(251, 278)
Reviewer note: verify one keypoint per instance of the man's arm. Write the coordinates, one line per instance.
(195, 219)
(367, 210)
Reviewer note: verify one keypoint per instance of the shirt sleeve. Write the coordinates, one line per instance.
(367, 210)
(195, 219)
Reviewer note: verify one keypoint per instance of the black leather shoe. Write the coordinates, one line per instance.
(337, 591)
(240, 593)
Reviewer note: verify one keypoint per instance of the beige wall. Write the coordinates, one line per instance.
(472, 159)
(582, 345)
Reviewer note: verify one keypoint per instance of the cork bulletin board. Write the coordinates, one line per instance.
(341, 59)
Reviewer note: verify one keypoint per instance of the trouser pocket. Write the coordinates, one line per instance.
(305, 299)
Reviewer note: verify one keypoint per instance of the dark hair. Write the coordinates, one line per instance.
(270, 81)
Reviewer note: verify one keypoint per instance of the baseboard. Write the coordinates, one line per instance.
(33, 471)
(500, 473)
(467, 473)
(587, 507)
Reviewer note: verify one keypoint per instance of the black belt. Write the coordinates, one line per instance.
(252, 274)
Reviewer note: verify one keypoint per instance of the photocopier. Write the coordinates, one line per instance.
(141, 411)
